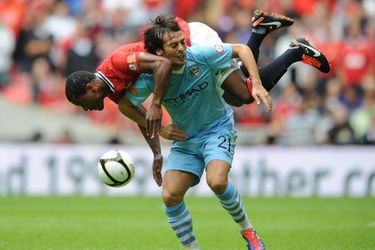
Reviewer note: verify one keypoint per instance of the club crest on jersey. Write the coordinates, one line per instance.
(219, 48)
(133, 67)
(131, 58)
(195, 71)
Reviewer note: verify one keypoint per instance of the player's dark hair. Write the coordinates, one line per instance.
(76, 84)
(153, 35)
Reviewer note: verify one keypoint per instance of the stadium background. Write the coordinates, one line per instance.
(317, 142)
(44, 41)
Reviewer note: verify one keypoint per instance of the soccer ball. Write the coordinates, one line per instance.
(116, 168)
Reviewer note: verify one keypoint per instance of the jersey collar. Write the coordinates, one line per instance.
(179, 71)
(102, 77)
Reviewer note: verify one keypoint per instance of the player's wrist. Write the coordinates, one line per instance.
(255, 81)
(249, 86)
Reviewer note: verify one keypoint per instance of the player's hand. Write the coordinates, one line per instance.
(153, 120)
(259, 94)
(156, 168)
(171, 132)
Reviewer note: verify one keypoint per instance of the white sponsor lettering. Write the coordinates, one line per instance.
(30, 169)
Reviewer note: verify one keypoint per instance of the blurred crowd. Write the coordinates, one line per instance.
(43, 41)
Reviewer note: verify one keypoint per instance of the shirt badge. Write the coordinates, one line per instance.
(131, 58)
(195, 71)
(133, 67)
(219, 48)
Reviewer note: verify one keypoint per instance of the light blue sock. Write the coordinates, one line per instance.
(182, 224)
(232, 203)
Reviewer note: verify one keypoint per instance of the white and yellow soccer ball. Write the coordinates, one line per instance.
(116, 168)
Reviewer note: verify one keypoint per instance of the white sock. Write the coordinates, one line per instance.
(245, 225)
(194, 246)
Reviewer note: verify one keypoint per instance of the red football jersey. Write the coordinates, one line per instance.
(120, 69)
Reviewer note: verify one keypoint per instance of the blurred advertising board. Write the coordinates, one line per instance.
(48, 169)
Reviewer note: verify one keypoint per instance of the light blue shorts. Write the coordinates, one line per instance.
(193, 155)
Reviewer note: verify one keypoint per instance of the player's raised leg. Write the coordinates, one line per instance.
(175, 185)
(300, 50)
(262, 24)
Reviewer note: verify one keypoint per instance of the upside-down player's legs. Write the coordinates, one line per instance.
(262, 24)
(235, 87)
(236, 92)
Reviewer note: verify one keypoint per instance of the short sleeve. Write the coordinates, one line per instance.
(127, 61)
(217, 56)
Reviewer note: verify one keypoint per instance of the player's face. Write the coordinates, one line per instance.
(174, 48)
(93, 99)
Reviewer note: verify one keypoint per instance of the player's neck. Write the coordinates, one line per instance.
(178, 69)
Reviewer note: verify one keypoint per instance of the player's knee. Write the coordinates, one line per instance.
(217, 185)
(171, 198)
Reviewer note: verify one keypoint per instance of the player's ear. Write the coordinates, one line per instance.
(92, 86)
(88, 86)
(159, 52)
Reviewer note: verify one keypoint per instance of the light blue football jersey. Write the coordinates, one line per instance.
(192, 98)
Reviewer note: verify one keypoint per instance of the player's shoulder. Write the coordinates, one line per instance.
(196, 50)
(124, 59)
(137, 46)
(128, 49)
(202, 50)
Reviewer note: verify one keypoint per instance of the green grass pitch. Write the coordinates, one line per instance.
(139, 223)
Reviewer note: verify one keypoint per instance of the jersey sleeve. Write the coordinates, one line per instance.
(141, 89)
(217, 56)
(126, 61)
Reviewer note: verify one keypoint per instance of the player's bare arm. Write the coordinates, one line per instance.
(157, 163)
(259, 93)
(138, 115)
(161, 68)
(153, 142)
